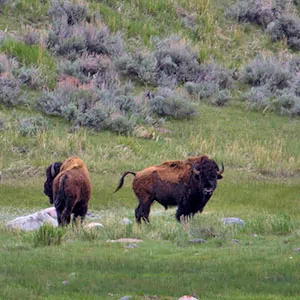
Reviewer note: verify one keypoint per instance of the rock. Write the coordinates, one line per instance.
(237, 221)
(197, 241)
(125, 298)
(31, 222)
(235, 241)
(187, 297)
(65, 282)
(131, 246)
(93, 225)
(125, 221)
(51, 211)
(125, 240)
(297, 250)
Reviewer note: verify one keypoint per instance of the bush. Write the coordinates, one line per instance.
(93, 118)
(9, 92)
(121, 125)
(165, 103)
(286, 26)
(258, 98)
(32, 125)
(101, 41)
(32, 77)
(64, 102)
(267, 71)
(74, 13)
(253, 11)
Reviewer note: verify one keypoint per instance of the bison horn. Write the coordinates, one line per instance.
(222, 170)
(196, 171)
(52, 170)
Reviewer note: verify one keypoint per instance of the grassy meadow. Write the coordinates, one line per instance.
(260, 150)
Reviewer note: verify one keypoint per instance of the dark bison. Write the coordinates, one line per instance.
(68, 186)
(189, 184)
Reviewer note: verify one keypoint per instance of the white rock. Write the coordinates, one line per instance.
(31, 222)
(233, 221)
(187, 297)
(93, 225)
(125, 240)
(51, 211)
(125, 221)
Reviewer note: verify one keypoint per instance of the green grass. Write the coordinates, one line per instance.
(260, 186)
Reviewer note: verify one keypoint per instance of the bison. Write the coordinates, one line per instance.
(187, 184)
(68, 186)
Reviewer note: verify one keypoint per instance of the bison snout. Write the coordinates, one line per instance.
(208, 191)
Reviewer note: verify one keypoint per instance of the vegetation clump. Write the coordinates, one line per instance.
(274, 85)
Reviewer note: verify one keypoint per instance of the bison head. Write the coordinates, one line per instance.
(206, 173)
(51, 173)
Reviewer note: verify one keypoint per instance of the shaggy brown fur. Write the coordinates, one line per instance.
(70, 188)
(189, 184)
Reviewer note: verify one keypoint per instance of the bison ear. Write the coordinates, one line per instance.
(219, 176)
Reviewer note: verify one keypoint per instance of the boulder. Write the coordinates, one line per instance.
(125, 221)
(31, 222)
(233, 220)
(93, 225)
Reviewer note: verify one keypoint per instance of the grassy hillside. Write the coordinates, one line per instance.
(127, 96)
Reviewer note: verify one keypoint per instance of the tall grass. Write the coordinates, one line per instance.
(32, 55)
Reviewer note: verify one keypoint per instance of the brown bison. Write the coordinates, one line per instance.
(187, 184)
(68, 186)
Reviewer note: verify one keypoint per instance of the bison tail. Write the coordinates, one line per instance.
(122, 179)
(60, 195)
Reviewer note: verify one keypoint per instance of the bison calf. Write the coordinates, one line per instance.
(187, 184)
(68, 186)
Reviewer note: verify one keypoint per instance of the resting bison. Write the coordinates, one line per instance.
(68, 186)
(189, 184)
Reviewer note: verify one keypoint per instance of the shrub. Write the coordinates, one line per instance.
(32, 77)
(74, 13)
(138, 66)
(94, 118)
(101, 41)
(31, 36)
(9, 92)
(72, 68)
(165, 103)
(287, 103)
(175, 59)
(222, 98)
(286, 26)
(32, 125)
(267, 71)
(253, 11)
(121, 125)
(63, 102)
(202, 90)
(172, 62)
(258, 98)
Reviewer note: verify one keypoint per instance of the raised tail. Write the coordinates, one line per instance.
(122, 180)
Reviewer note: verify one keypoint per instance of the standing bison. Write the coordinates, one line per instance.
(189, 184)
(68, 186)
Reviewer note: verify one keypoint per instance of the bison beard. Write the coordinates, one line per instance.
(187, 184)
(69, 187)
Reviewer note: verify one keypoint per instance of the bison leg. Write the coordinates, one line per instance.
(143, 211)
(183, 213)
(80, 210)
(58, 213)
(66, 214)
